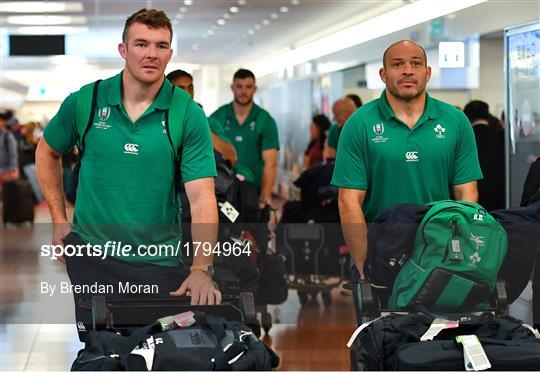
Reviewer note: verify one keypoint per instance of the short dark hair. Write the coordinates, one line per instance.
(356, 99)
(173, 75)
(401, 41)
(153, 18)
(476, 109)
(243, 74)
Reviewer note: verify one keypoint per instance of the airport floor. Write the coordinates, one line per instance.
(312, 337)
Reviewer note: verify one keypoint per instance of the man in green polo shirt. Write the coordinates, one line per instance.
(404, 147)
(221, 143)
(254, 134)
(342, 110)
(126, 193)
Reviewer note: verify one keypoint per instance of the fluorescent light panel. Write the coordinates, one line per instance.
(50, 30)
(44, 20)
(407, 16)
(40, 7)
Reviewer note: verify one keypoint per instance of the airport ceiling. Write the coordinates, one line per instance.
(230, 31)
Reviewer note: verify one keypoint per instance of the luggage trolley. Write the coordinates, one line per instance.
(127, 313)
(305, 244)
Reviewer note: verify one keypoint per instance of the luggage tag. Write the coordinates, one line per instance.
(454, 249)
(229, 211)
(436, 326)
(359, 329)
(474, 355)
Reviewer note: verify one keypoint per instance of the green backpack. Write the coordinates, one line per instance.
(457, 254)
(86, 106)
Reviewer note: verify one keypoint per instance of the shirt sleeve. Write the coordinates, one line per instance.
(466, 163)
(61, 132)
(197, 159)
(270, 137)
(351, 160)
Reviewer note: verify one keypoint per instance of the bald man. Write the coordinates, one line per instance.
(342, 110)
(405, 147)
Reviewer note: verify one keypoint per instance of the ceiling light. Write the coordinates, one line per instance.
(179, 16)
(295, 2)
(188, 2)
(401, 18)
(183, 9)
(283, 9)
(265, 22)
(39, 20)
(241, 2)
(34, 7)
(175, 22)
(234, 9)
(226, 16)
(274, 16)
(209, 32)
(221, 22)
(251, 31)
(51, 30)
(257, 27)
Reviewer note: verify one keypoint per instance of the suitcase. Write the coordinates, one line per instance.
(393, 342)
(18, 198)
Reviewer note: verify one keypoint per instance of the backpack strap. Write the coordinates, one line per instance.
(86, 107)
(175, 119)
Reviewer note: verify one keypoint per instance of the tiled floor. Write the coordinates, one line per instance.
(37, 334)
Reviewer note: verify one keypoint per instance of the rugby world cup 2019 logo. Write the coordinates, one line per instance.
(104, 113)
(378, 130)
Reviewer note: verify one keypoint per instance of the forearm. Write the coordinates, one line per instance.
(354, 230)
(225, 149)
(49, 173)
(204, 226)
(268, 179)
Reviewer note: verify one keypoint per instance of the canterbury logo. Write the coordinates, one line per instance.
(131, 149)
(411, 156)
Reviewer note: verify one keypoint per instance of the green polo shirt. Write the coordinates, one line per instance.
(259, 132)
(217, 129)
(126, 191)
(395, 164)
(333, 136)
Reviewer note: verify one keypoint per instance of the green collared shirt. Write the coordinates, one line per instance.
(333, 136)
(395, 164)
(259, 132)
(126, 191)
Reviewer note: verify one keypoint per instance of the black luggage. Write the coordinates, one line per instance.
(272, 287)
(393, 342)
(18, 199)
(212, 343)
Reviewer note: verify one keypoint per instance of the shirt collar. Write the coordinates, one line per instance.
(430, 111)
(251, 116)
(162, 100)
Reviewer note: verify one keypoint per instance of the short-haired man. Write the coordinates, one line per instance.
(253, 133)
(404, 147)
(221, 143)
(126, 191)
(342, 110)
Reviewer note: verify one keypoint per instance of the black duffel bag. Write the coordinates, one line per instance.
(393, 343)
(212, 343)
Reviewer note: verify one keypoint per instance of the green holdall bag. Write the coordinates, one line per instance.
(457, 254)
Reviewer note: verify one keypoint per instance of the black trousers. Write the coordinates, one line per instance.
(114, 275)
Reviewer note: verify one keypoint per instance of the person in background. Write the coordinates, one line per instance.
(27, 157)
(9, 158)
(356, 99)
(314, 152)
(489, 137)
(342, 110)
(220, 142)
